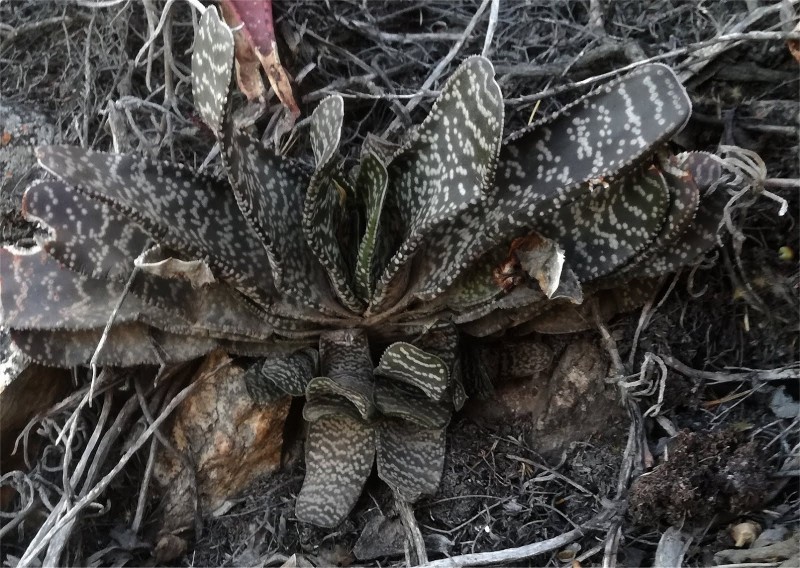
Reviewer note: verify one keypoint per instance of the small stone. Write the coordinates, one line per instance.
(744, 534)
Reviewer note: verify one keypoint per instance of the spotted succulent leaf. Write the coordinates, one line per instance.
(410, 459)
(92, 239)
(86, 236)
(550, 163)
(126, 345)
(38, 294)
(414, 366)
(518, 307)
(346, 387)
(278, 376)
(684, 200)
(608, 227)
(346, 369)
(215, 307)
(212, 65)
(189, 212)
(442, 341)
(701, 235)
(399, 400)
(323, 404)
(447, 165)
(269, 190)
(323, 211)
(476, 286)
(340, 451)
(372, 184)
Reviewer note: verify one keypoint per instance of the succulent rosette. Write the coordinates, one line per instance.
(315, 271)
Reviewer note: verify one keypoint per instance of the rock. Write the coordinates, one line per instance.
(228, 439)
(786, 550)
(518, 371)
(561, 390)
(578, 402)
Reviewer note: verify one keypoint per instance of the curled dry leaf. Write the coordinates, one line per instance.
(255, 44)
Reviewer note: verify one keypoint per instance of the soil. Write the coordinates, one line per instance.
(717, 444)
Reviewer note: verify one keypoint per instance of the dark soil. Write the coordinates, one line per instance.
(716, 451)
(704, 474)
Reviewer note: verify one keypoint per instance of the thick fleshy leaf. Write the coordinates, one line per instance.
(684, 200)
(85, 235)
(403, 401)
(447, 166)
(92, 239)
(323, 211)
(609, 226)
(371, 184)
(441, 341)
(411, 365)
(125, 346)
(521, 305)
(410, 459)
(701, 235)
(216, 307)
(476, 286)
(704, 167)
(357, 392)
(551, 163)
(186, 211)
(279, 376)
(270, 189)
(212, 64)
(324, 404)
(339, 455)
(37, 293)
(346, 369)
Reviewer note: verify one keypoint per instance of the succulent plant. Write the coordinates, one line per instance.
(454, 232)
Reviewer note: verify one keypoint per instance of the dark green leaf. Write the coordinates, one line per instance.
(400, 400)
(339, 456)
(410, 364)
(447, 165)
(549, 164)
(410, 459)
(372, 183)
(609, 226)
(212, 64)
(323, 212)
(191, 213)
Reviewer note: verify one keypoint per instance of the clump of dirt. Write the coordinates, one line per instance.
(706, 474)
